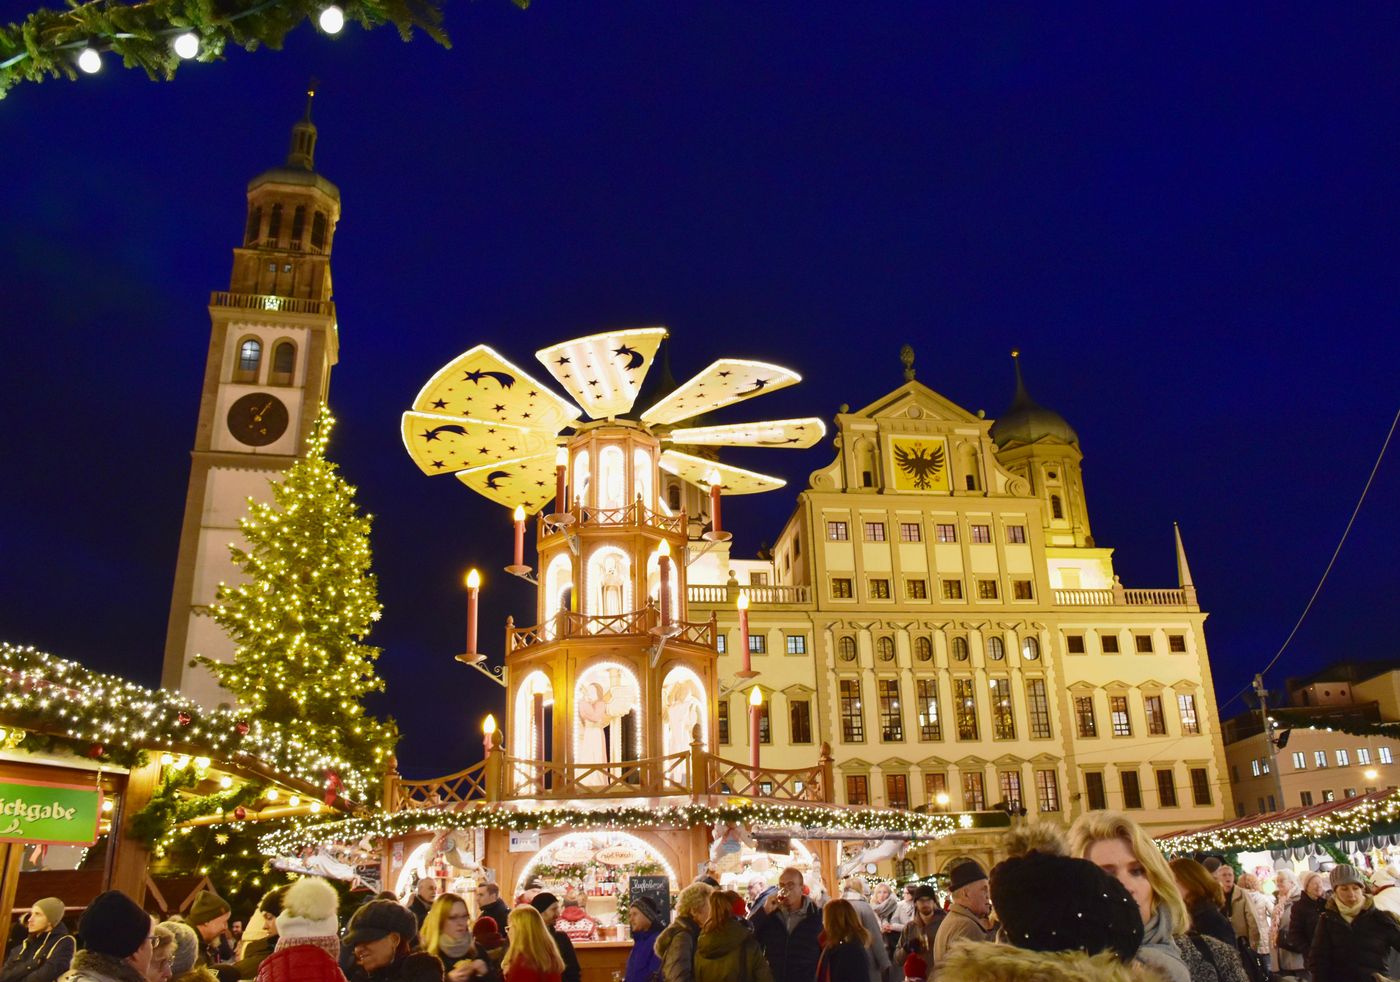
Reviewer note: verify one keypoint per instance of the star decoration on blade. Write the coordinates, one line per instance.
(504, 443)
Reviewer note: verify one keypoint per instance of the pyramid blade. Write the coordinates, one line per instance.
(526, 481)
(604, 371)
(791, 434)
(447, 444)
(702, 472)
(480, 384)
(724, 383)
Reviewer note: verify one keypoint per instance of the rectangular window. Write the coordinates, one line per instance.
(796, 644)
(1319, 759)
(724, 720)
(758, 644)
(1234, 773)
(1010, 784)
(1363, 756)
(1021, 590)
(1300, 761)
(916, 589)
(1385, 756)
(897, 790)
(986, 589)
(1038, 709)
(1328, 794)
(852, 721)
(765, 724)
(1305, 797)
(857, 789)
(1047, 791)
(1186, 706)
(874, 531)
(1118, 715)
(1200, 786)
(1264, 764)
(974, 792)
(981, 533)
(946, 533)
(1074, 644)
(1109, 643)
(838, 531)
(1143, 643)
(800, 720)
(1346, 793)
(965, 709)
(1132, 790)
(1176, 643)
(1093, 790)
(1343, 759)
(1003, 720)
(1015, 533)
(879, 589)
(721, 642)
(910, 532)
(1156, 720)
(1084, 716)
(1254, 766)
(926, 693)
(952, 590)
(891, 718)
(1166, 788)
(841, 587)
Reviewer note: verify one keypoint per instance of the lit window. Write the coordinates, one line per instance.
(1343, 758)
(981, 533)
(891, 717)
(1084, 716)
(1254, 766)
(1015, 533)
(852, 720)
(797, 644)
(857, 789)
(1030, 649)
(1047, 791)
(1385, 757)
(916, 589)
(974, 793)
(996, 648)
(1320, 759)
(952, 590)
(910, 532)
(1003, 719)
(758, 644)
(249, 357)
(926, 691)
(1300, 761)
(986, 589)
(841, 587)
(946, 533)
(1156, 721)
(1010, 784)
(721, 642)
(1328, 794)
(965, 709)
(1363, 756)
(1186, 706)
(880, 589)
(874, 531)
(1038, 709)
(1118, 714)
(838, 531)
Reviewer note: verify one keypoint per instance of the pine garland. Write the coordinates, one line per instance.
(46, 43)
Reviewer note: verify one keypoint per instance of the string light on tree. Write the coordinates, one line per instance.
(186, 45)
(90, 61)
(332, 19)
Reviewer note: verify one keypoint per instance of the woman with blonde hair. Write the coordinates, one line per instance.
(1117, 845)
(447, 933)
(532, 956)
(726, 949)
(843, 956)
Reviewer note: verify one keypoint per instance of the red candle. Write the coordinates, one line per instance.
(755, 707)
(714, 502)
(519, 535)
(743, 605)
(561, 461)
(663, 568)
(473, 591)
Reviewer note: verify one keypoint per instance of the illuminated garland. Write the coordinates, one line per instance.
(1362, 819)
(42, 692)
(167, 807)
(299, 835)
(157, 35)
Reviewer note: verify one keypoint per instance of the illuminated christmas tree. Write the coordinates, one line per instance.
(300, 618)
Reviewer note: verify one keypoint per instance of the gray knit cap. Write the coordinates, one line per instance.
(1346, 874)
(186, 947)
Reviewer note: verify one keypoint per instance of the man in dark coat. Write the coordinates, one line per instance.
(490, 904)
(548, 906)
(422, 900)
(47, 950)
(1354, 936)
(787, 925)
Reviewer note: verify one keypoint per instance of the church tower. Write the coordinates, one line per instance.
(272, 343)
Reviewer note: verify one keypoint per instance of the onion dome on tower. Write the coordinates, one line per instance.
(1027, 421)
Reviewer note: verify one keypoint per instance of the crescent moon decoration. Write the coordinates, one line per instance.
(500, 439)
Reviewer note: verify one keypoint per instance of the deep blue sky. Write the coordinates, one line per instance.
(1185, 218)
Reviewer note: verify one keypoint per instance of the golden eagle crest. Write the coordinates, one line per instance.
(921, 465)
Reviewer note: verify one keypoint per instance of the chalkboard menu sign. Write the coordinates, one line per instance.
(655, 888)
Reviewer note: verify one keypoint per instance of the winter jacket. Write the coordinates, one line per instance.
(420, 908)
(40, 957)
(1286, 959)
(877, 958)
(643, 962)
(92, 966)
(959, 926)
(792, 953)
(1209, 959)
(497, 911)
(1245, 918)
(572, 972)
(1354, 952)
(417, 966)
(845, 962)
(1302, 922)
(988, 962)
(521, 972)
(300, 963)
(1206, 919)
(254, 954)
(919, 939)
(676, 949)
(730, 954)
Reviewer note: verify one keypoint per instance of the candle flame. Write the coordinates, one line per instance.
(665, 549)
(561, 457)
(473, 579)
(756, 696)
(488, 725)
(520, 513)
(743, 602)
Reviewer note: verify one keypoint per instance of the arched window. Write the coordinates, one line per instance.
(673, 498)
(274, 225)
(318, 231)
(1030, 649)
(641, 476)
(960, 649)
(609, 582)
(846, 648)
(533, 718)
(923, 649)
(884, 647)
(683, 707)
(558, 586)
(298, 225)
(612, 478)
(250, 235)
(249, 360)
(996, 648)
(1057, 510)
(284, 363)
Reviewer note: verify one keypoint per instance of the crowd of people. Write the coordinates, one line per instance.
(1099, 904)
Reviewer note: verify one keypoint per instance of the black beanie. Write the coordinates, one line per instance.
(114, 925)
(1055, 903)
(543, 901)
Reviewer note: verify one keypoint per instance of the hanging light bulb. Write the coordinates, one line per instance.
(332, 19)
(90, 61)
(186, 45)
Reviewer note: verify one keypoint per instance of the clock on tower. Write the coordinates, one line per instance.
(272, 343)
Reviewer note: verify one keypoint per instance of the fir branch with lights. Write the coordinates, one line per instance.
(170, 805)
(300, 617)
(156, 35)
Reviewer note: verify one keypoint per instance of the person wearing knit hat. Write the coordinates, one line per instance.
(46, 951)
(116, 937)
(308, 935)
(1354, 937)
(209, 916)
(914, 952)
(548, 906)
(646, 924)
(968, 917)
(486, 933)
(162, 954)
(182, 962)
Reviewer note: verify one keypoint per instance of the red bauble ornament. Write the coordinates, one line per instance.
(240, 813)
(96, 750)
(183, 718)
(242, 727)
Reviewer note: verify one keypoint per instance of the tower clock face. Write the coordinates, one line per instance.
(257, 419)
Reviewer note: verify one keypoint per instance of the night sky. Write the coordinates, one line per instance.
(1186, 219)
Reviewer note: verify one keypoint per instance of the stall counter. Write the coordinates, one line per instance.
(601, 961)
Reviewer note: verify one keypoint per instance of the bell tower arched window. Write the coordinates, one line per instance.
(1057, 508)
(284, 363)
(318, 231)
(250, 234)
(245, 369)
(274, 225)
(298, 225)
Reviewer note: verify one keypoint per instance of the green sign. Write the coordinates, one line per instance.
(57, 814)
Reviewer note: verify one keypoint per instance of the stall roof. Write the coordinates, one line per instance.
(1346, 817)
